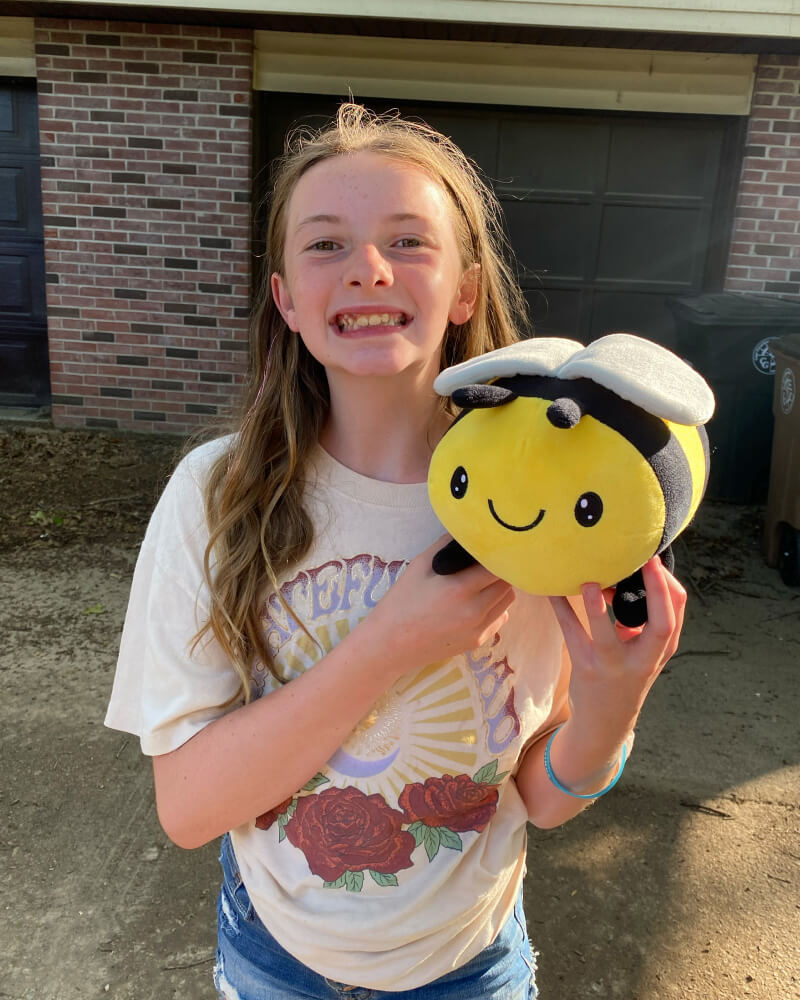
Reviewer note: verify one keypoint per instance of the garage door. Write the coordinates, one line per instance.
(608, 214)
(24, 379)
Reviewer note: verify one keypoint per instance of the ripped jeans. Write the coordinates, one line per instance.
(251, 965)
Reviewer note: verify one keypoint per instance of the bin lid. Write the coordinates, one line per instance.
(789, 346)
(734, 309)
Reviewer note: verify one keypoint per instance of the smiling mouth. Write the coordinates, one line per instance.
(515, 527)
(363, 321)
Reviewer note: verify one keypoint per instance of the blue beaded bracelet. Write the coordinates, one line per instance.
(592, 795)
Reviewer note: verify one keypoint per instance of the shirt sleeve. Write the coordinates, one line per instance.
(165, 691)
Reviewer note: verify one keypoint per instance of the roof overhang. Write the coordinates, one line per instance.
(492, 73)
(16, 47)
(766, 18)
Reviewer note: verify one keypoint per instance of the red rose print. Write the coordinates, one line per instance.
(265, 820)
(459, 803)
(342, 829)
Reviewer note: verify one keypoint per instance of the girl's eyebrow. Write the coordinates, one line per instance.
(335, 219)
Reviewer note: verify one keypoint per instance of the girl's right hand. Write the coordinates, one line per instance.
(425, 617)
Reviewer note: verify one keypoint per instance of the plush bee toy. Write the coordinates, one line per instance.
(571, 464)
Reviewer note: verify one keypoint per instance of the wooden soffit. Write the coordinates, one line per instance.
(497, 73)
(16, 47)
(756, 18)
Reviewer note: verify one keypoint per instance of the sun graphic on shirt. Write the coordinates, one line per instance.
(428, 723)
(423, 727)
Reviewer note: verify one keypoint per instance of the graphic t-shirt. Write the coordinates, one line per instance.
(402, 857)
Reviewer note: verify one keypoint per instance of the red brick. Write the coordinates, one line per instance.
(83, 257)
(774, 226)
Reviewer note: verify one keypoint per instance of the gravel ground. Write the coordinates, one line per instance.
(682, 883)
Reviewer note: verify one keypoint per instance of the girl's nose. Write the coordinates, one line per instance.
(367, 267)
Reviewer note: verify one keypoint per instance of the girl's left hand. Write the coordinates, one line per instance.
(613, 668)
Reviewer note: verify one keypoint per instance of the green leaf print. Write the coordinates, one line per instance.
(383, 879)
(432, 840)
(284, 818)
(315, 782)
(449, 838)
(354, 881)
(434, 837)
(488, 775)
(417, 831)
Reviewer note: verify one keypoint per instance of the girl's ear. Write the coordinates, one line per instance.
(464, 302)
(283, 300)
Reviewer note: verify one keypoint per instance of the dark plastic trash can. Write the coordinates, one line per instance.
(727, 337)
(782, 522)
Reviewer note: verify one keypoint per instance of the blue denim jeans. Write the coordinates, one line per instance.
(251, 965)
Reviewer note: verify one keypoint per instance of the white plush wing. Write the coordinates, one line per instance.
(634, 368)
(537, 356)
(645, 374)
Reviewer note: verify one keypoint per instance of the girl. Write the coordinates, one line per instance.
(369, 739)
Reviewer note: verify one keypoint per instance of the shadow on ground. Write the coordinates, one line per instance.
(682, 883)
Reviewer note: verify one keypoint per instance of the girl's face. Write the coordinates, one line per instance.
(372, 273)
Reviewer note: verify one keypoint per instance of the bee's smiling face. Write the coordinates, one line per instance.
(543, 507)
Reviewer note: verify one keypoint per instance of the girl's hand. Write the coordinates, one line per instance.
(613, 667)
(424, 617)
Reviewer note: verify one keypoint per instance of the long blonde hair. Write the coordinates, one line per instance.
(258, 523)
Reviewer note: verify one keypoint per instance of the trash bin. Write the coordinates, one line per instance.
(726, 336)
(782, 522)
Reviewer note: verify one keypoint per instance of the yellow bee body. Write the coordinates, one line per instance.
(525, 511)
(566, 466)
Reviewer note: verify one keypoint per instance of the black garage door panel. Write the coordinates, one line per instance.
(636, 312)
(550, 156)
(20, 208)
(682, 163)
(553, 240)
(608, 214)
(24, 378)
(22, 287)
(644, 245)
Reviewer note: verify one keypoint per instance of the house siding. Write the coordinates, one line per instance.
(765, 246)
(145, 138)
(145, 135)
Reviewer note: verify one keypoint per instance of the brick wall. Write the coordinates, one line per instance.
(765, 250)
(145, 146)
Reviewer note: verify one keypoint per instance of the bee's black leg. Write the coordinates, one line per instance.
(452, 558)
(630, 602)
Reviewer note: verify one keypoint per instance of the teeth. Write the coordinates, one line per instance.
(348, 321)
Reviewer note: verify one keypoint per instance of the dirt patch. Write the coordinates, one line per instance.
(68, 487)
(683, 883)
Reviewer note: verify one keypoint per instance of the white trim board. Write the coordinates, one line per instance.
(17, 56)
(498, 73)
(768, 18)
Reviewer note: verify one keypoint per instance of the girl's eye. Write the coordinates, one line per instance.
(324, 246)
(409, 241)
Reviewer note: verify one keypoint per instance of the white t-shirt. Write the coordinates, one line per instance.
(402, 858)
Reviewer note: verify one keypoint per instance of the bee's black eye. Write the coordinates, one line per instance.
(588, 509)
(458, 484)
